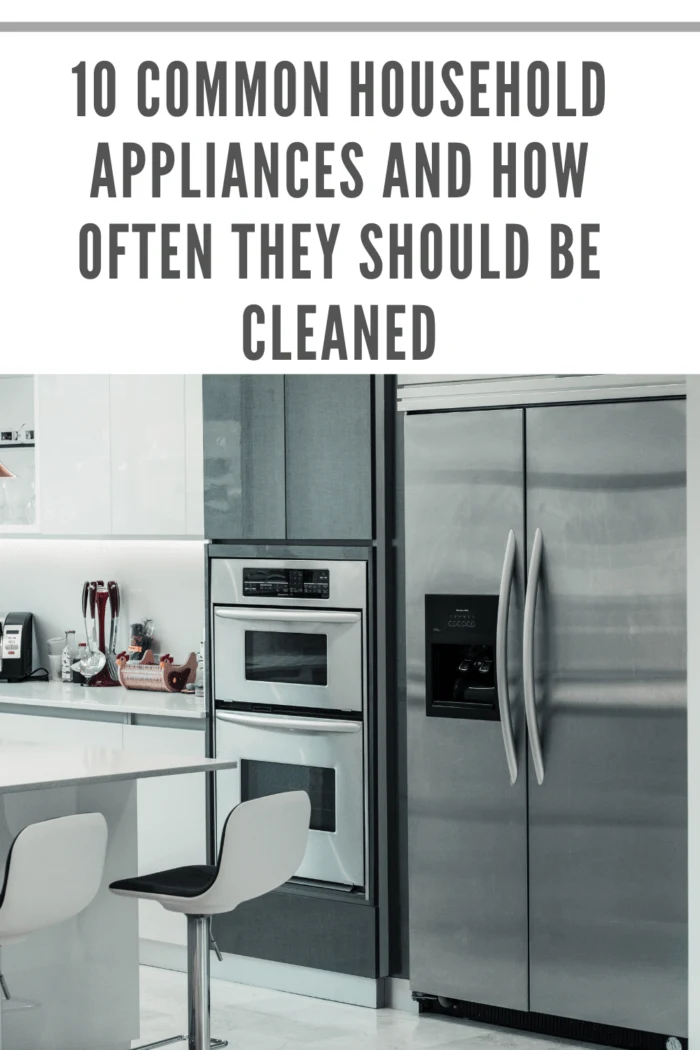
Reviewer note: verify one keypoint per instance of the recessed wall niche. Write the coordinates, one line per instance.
(17, 454)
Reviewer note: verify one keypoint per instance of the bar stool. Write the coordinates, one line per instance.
(262, 846)
(53, 871)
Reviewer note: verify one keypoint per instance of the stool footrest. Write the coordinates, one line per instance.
(215, 1044)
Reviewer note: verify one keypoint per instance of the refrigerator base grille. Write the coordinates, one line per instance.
(547, 1024)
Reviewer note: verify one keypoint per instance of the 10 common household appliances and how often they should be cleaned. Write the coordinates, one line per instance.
(476, 89)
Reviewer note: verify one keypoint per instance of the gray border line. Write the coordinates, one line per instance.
(349, 27)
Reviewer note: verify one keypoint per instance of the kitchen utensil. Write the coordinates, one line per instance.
(96, 660)
(113, 592)
(86, 589)
(83, 662)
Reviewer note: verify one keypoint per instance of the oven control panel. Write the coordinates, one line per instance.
(286, 583)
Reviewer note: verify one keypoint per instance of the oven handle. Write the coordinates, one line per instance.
(289, 723)
(288, 615)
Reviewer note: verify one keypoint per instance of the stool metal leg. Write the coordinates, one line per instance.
(198, 981)
(198, 1005)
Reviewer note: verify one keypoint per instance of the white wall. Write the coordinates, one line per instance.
(160, 579)
(694, 700)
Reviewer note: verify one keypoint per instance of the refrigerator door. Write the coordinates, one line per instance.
(608, 824)
(467, 824)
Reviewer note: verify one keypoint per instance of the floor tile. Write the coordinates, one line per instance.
(260, 1019)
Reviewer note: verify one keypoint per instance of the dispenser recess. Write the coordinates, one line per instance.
(460, 650)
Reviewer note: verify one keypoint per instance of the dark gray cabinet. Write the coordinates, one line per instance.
(329, 457)
(244, 469)
(288, 457)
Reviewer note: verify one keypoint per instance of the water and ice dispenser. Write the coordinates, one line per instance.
(460, 653)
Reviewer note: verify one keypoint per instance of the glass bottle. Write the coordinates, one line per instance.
(68, 657)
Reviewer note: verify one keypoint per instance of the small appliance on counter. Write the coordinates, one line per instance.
(16, 646)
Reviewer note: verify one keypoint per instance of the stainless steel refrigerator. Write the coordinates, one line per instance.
(546, 666)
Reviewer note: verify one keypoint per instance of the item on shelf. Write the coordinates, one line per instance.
(161, 675)
(16, 646)
(68, 657)
(55, 652)
(141, 639)
(76, 668)
(199, 678)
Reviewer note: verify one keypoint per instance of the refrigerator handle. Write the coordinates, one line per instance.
(533, 579)
(502, 658)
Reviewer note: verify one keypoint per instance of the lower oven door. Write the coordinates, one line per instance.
(321, 756)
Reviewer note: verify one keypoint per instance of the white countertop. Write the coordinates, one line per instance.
(25, 765)
(116, 699)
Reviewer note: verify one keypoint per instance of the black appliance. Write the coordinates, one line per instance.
(16, 650)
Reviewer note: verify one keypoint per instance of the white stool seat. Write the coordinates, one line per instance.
(262, 845)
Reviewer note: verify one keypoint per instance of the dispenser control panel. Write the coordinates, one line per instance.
(460, 653)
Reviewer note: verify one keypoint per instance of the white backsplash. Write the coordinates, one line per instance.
(159, 579)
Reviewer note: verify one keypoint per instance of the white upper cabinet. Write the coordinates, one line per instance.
(148, 455)
(73, 443)
(120, 455)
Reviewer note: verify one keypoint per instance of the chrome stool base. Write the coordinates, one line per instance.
(214, 1044)
(199, 941)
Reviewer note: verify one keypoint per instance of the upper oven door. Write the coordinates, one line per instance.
(309, 658)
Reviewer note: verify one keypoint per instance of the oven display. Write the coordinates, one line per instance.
(286, 583)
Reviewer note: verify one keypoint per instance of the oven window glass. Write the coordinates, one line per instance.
(278, 656)
(269, 778)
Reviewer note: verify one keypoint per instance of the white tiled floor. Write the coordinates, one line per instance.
(257, 1019)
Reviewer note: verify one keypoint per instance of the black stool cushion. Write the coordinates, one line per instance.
(189, 881)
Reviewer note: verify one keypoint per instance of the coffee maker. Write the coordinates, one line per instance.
(16, 646)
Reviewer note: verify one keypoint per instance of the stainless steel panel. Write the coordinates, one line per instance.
(335, 857)
(608, 826)
(467, 824)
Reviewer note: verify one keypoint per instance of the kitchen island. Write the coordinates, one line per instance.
(75, 986)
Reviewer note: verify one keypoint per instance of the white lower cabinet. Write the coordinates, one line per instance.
(172, 821)
(42, 729)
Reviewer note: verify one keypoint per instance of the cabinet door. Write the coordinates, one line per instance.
(244, 475)
(42, 729)
(172, 821)
(74, 455)
(148, 455)
(329, 457)
(194, 464)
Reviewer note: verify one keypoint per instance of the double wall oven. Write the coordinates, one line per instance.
(290, 688)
